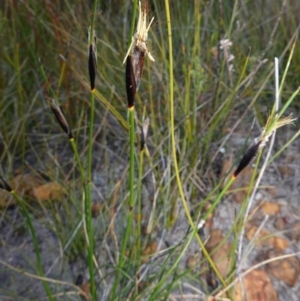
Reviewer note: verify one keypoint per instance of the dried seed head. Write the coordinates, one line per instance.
(139, 40)
(130, 82)
(92, 61)
(60, 117)
(248, 156)
(260, 142)
(4, 185)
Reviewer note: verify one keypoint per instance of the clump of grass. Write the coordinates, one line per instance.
(134, 60)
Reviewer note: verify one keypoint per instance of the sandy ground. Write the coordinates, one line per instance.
(17, 250)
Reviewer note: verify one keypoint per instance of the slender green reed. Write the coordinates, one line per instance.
(131, 87)
(92, 63)
(170, 271)
(173, 146)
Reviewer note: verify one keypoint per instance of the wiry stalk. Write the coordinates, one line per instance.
(144, 132)
(134, 60)
(131, 91)
(92, 66)
(61, 119)
(173, 142)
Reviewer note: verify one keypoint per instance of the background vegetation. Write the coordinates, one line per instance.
(211, 94)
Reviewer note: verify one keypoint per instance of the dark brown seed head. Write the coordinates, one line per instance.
(92, 66)
(60, 117)
(143, 141)
(248, 156)
(4, 185)
(130, 82)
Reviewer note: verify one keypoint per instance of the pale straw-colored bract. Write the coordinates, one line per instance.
(271, 126)
(94, 42)
(140, 38)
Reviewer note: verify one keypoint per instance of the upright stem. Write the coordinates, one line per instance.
(88, 205)
(88, 201)
(131, 163)
(139, 204)
(131, 183)
(130, 203)
(173, 146)
(135, 2)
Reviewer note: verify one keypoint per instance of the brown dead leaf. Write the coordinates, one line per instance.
(265, 239)
(85, 290)
(262, 239)
(270, 208)
(220, 254)
(286, 269)
(256, 286)
(280, 243)
(49, 191)
(23, 184)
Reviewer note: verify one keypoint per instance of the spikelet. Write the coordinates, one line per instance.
(271, 126)
(92, 58)
(135, 56)
(4, 185)
(60, 117)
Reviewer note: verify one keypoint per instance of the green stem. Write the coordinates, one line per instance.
(139, 211)
(133, 19)
(88, 197)
(154, 295)
(217, 200)
(78, 161)
(93, 21)
(131, 166)
(131, 178)
(88, 201)
(131, 203)
(173, 146)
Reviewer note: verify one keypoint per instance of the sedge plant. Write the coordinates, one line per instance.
(181, 120)
(92, 65)
(134, 61)
(85, 178)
